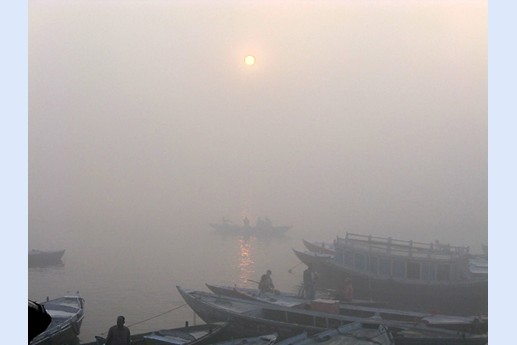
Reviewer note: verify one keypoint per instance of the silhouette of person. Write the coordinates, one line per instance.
(266, 283)
(118, 334)
(309, 282)
(246, 221)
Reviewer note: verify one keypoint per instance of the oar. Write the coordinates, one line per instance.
(292, 268)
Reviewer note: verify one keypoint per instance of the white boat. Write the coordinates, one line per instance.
(67, 315)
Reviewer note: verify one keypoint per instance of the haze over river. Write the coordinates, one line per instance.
(140, 281)
(137, 277)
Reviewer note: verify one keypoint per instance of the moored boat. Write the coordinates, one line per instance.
(351, 334)
(67, 315)
(285, 299)
(267, 339)
(319, 247)
(472, 324)
(260, 229)
(39, 258)
(189, 335)
(406, 274)
(249, 318)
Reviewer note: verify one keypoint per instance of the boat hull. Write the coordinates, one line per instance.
(461, 298)
(321, 247)
(244, 324)
(67, 315)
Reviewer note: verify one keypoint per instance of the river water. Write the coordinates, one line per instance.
(138, 278)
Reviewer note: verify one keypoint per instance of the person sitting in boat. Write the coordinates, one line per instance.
(309, 282)
(266, 283)
(346, 291)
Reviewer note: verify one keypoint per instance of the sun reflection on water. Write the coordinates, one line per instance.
(245, 261)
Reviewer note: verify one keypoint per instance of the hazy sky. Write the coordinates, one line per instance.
(361, 116)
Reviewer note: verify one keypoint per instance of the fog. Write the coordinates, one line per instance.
(360, 116)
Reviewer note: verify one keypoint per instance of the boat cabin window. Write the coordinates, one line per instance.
(320, 322)
(373, 262)
(348, 259)
(384, 267)
(442, 272)
(424, 273)
(333, 323)
(360, 262)
(301, 319)
(432, 271)
(413, 270)
(399, 269)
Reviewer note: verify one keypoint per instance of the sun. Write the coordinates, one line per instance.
(249, 60)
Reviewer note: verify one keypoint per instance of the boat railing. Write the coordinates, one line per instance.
(396, 247)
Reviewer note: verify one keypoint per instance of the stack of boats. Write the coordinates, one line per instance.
(406, 293)
(388, 275)
(294, 323)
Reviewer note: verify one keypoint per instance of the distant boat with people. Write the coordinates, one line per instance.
(431, 276)
(262, 227)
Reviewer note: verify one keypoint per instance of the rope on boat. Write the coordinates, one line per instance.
(154, 317)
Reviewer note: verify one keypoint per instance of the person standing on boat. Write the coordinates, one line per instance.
(346, 292)
(266, 283)
(309, 282)
(118, 334)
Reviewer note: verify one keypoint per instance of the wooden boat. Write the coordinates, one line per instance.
(267, 339)
(40, 258)
(188, 335)
(261, 229)
(248, 318)
(416, 337)
(319, 247)
(285, 299)
(67, 315)
(406, 274)
(472, 324)
(351, 334)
